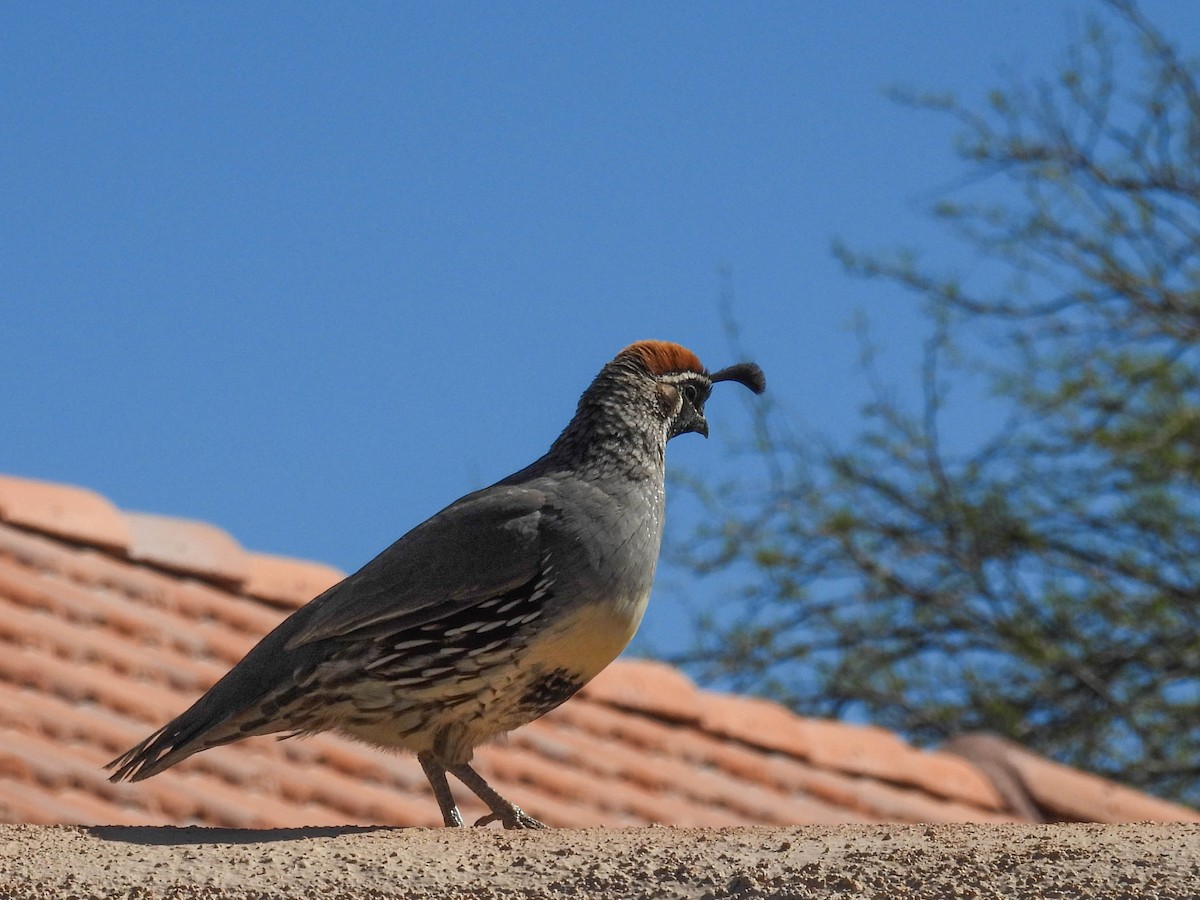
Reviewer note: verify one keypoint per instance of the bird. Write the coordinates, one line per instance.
(485, 616)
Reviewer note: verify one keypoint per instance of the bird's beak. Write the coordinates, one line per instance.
(693, 423)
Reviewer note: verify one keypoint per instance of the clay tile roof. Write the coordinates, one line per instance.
(648, 687)
(72, 513)
(1060, 792)
(187, 547)
(111, 622)
(287, 582)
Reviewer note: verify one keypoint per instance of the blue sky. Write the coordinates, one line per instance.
(312, 271)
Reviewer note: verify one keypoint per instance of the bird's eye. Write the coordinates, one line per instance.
(690, 393)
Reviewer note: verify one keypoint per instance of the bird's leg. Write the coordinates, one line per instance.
(509, 814)
(441, 791)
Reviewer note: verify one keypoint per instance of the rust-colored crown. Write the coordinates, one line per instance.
(663, 357)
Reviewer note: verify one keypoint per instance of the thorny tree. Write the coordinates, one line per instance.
(1044, 584)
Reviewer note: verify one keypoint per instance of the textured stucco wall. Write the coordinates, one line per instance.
(917, 861)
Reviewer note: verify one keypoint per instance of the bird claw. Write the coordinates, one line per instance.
(515, 818)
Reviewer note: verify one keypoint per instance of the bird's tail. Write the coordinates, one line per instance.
(254, 697)
(159, 751)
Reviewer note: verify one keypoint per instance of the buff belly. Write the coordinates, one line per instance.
(495, 692)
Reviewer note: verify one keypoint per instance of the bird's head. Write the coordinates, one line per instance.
(649, 393)
(679, 383)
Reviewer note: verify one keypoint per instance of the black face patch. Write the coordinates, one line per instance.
(549, 691)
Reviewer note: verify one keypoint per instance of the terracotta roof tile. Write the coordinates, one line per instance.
(890, 803)
(55, 765)
(220, 803)
(613, 725)
(786, 775)
(187, 547)
(649, 687)
(355, 760)
(51, 675)
(1067, 793)
(374, 802)
(41, 713)
(807, 789)
(94, 810)
(80, 642)
(287, 582)
(32, 552)
(26, 801)
(204, 603)
(859, 749)
(682, 763)
(75, 514)
(843, 747)
(225, 645)
(952, 777)
(97, 607)
(112, 623)
(757, 722)
(830, 787)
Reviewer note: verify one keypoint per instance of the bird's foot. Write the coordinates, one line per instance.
(511, 818)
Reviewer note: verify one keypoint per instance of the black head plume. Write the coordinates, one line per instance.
(747, 374)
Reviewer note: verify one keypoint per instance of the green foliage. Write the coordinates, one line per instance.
(1043, 584)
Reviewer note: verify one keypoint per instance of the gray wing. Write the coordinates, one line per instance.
(483, 545)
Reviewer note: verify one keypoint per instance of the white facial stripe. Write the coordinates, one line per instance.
(677, 377)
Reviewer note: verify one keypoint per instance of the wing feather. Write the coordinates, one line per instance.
(477, 548)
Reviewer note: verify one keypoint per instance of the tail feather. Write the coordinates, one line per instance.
(132, 765)
(171, 744)
(237, 706)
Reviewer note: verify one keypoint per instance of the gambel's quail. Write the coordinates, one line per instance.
(489, 614)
